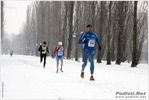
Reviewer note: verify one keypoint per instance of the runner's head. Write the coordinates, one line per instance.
(60, 43)
(44, 43)
(89, 28)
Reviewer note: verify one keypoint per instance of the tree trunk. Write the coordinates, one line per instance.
(77, 28)
(2, 20)
(64, 36)
(69, 49)
(99, 55)
(42, 23)
(134, 54)
(120, 31)
(108, 38)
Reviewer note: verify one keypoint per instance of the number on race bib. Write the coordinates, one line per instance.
(91, 43)
(60, 52)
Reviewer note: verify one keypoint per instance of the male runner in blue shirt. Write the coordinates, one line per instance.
(89, 39)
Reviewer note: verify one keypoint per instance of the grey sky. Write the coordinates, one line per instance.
(15, 14)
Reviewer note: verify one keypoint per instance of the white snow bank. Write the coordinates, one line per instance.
(23, 77)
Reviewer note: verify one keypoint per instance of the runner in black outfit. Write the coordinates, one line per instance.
(43, 49)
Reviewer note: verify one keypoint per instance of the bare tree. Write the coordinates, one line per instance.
(142, 31)
(77, 16)
(108, 37)
(71, 7)
(134, 54)
(2, 19)
(54, 21)
(120, 31)
(103, 24)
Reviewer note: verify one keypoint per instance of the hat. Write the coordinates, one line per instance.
(44, 42)
(89, 25)
(59, 43)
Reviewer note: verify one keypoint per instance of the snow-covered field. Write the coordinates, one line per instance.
(23, 77)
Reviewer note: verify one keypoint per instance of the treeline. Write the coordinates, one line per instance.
(2, 19)
(122, 27)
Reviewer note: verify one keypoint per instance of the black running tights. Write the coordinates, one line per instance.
(41, 57)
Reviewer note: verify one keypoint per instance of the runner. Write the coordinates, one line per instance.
(88, 39)
(59, 52)
(43, 49)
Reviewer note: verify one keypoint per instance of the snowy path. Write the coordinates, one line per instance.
(24, 78)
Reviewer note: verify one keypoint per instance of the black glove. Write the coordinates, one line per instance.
(84, 41)
(99, 47)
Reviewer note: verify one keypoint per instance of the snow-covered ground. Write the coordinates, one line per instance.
(23, 77)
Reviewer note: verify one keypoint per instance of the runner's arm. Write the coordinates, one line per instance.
(82, 39)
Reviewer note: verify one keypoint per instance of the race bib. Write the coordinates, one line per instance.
(60, 52)
(91, 43)
(43, 49)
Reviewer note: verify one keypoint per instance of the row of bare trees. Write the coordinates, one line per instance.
(2, 19)
(120, 25)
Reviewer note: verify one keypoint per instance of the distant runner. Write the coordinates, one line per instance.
(59, 52)
(11, 53)
(43, 49)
